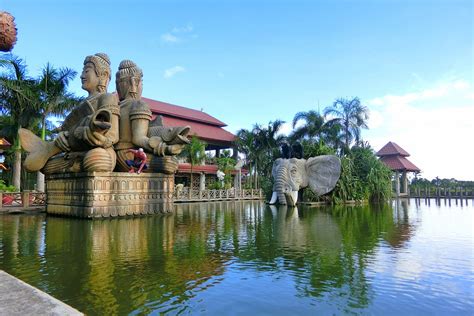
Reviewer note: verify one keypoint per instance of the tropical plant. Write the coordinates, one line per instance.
(245, 144)
(226, 164)
(314, 127)
(267, 141)
(54, 100)
(351, 116)
(195, 151)
(19, 100)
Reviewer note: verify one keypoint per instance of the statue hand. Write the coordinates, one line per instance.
(174, 149)
(96, 138)
(62, 141)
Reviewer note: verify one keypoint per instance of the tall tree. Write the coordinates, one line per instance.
(195, 151)
(54, 100)
(314, 127)
(351, 116)
(267, 142)
(18, 99)
(245, 143)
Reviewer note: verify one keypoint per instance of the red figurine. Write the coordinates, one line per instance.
(139, 161)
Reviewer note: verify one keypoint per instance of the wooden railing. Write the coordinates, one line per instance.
(22, 199)
(185, 195)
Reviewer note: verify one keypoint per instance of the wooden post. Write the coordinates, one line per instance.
(26, 198)
(1, 199)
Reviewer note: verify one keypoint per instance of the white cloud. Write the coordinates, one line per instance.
(434, 125)
(169, 38)
(170, 72)
(184, 29)
(173, 38)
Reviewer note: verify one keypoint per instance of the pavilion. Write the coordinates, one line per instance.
(394, 157)
(205, 127)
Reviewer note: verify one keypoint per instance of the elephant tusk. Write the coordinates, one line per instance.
(274, 198)
(294, 197)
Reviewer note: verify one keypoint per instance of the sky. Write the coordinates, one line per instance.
(246, 62)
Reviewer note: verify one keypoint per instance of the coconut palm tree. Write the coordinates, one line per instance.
(195, 151)
(314, 128)
(54, 100)
(245, 143)
(18, 99)
(351, 116)
(267, 142)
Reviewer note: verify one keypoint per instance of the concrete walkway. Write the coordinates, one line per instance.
(19, 298)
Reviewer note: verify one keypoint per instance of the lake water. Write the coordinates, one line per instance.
(246, 258)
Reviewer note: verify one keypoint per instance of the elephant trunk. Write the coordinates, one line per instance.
(281, 188)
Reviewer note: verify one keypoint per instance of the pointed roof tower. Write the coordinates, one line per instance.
(394, 157)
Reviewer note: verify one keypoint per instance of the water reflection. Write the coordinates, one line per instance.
(185, 261)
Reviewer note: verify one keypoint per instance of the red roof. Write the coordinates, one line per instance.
(207, 169)
(392, 149)
(4, 143)
(398, 163)
(163, 108)
(203, 131)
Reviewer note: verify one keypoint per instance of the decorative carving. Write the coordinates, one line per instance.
(89, 194)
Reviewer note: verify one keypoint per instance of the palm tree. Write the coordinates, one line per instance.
(54, 100)
(267, 142)
(18, 99)
(245, 143)
(314, 128)
(195, 151)
(351, 115)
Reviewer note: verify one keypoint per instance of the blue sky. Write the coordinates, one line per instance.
(246, 62)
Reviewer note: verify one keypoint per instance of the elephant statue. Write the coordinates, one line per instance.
(290, 175)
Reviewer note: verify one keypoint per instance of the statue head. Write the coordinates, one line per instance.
(95, 75)
(128, 80)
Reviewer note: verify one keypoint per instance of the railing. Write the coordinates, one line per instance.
(440, 192)
(27, 199)
(22, 199)
(184, 195)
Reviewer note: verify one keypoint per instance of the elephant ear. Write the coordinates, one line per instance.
(323, 173)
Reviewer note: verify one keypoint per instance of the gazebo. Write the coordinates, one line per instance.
(394, 157)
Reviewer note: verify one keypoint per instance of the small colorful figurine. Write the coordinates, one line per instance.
(139, 161)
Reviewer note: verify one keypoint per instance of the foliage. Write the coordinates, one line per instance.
(195, 151)
(350, 116)
(19, 100)
(6, 188)
(226, 164)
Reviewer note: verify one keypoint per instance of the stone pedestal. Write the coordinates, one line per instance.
(109, 194)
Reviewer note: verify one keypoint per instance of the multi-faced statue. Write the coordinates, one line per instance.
(290, 175)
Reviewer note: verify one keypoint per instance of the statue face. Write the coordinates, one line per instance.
(129, 88)
(89, 79)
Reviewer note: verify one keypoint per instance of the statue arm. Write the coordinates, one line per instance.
(139, 133)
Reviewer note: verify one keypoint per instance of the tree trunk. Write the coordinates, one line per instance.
(191, 183)
(16, 180)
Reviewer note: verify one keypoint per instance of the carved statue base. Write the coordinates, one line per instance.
(109, 194)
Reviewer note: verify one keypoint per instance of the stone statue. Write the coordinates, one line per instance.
(88, 133)
(137, 129)
(290, 175)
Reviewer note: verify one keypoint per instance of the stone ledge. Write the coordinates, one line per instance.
(20, 298)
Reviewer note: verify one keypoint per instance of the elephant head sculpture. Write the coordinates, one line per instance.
(290, 175)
